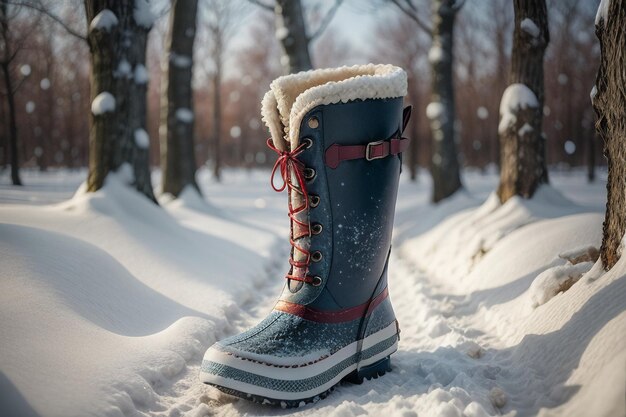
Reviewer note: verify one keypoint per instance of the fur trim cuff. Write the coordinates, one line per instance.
(290, 97)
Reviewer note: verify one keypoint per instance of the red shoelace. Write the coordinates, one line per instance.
(288, 163)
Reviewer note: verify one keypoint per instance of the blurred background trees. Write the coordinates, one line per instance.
(50, 65)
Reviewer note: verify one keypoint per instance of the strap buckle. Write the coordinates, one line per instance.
(368, 151)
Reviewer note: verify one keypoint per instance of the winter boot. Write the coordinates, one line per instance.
(338, 136)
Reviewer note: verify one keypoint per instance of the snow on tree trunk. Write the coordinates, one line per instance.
(178, 159)
(118, 31)
(609, 102)
(522, 145)
(441, 110)
(291, 33)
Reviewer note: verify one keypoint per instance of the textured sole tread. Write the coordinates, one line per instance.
(370, 372)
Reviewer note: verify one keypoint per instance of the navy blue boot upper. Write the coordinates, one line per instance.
(356, 203)
(340, 166)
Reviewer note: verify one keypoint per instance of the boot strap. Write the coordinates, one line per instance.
(335, 153)
(374, 150)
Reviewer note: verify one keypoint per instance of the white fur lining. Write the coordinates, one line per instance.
(290, 97)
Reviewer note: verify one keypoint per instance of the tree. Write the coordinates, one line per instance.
(178, 159)
(441, 110)
(522, 144)
(118, 31)
(9, 50)
(609, 102)
(291, 32)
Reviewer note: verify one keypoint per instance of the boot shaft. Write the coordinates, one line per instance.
(352, 220)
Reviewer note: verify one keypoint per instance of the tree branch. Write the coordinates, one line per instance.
(262, 5)
(43, 10)
(326, 20)
(411, 11)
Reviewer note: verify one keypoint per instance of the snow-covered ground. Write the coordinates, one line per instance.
(107, 302)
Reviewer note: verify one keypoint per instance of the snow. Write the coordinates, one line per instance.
(124, 69)
(141, 74)
(124, 297)
(436, 54)
(530, 27)
(105, 20)
(281, 33)
(555, 280)
(142, 139)
(25, 70)
(524, 130)
(128, 292)
(603, 11)
(184, 115)
(143, 15)
(181, 61)
(103, 103)
(579, 254)
(515, 97)
(435, 110)
(44, 84)
(594, 91)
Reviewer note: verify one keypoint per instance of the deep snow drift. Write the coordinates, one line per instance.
(107, 302)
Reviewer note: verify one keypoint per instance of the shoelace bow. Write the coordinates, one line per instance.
(288, 163)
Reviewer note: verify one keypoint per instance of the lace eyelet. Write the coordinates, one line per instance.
(316, 281)
(308, 142)
(309, 173)
(313, 123)
(314, 200)
(316, 256)
(316, 229)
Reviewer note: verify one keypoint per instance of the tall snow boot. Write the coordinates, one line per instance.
(338, 134)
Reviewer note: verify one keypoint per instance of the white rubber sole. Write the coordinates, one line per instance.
(298, 375)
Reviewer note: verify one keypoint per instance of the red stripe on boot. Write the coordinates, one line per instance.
(336, 316)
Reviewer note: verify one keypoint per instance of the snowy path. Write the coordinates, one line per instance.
(471, 344)
(418, 372)
(186, 396)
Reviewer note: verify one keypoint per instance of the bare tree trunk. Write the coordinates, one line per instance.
(522, 145)
(177, 118)
(6, 60)
(217, 111)
(609, 102)
(13, 149)
(45, 140)
(441, 110)
(117, 47)
(134, 88)
(291, 33)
